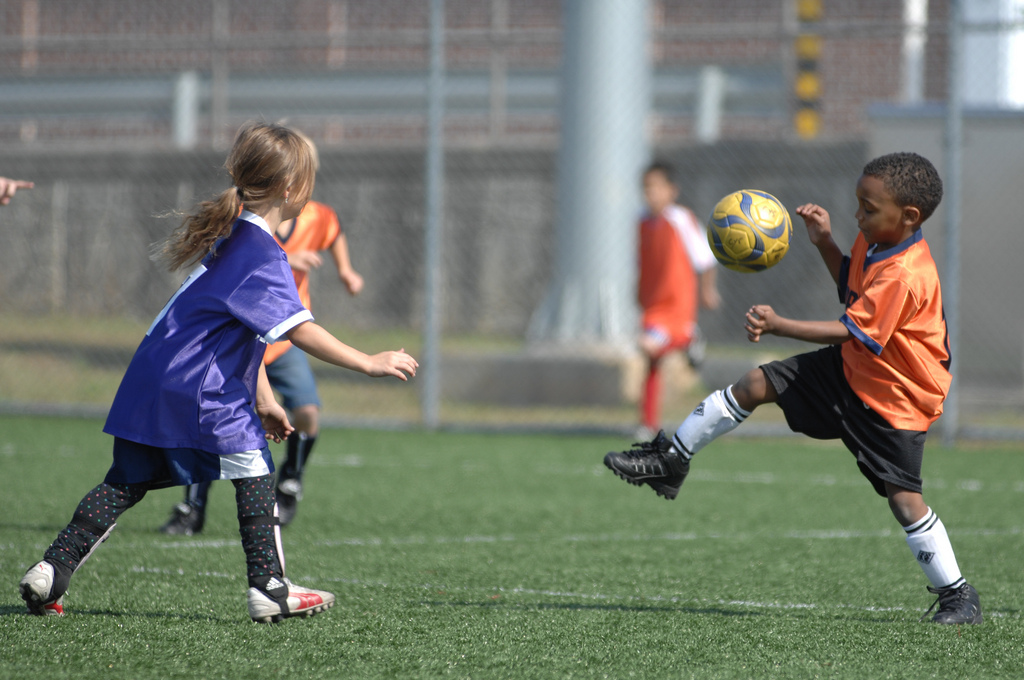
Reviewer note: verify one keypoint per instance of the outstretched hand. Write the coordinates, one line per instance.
(275, 421)
(817, 221)
(761, 320)
(397, 364)
(9, 187)
(305, 260)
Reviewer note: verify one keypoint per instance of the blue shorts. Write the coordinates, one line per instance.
(292, 377)
(158, 467)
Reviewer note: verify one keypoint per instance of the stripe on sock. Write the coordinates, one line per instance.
(955, 584)
(924, 524)
(735, 410)
(680, 449)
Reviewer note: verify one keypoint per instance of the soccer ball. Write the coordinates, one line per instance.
(749, 230)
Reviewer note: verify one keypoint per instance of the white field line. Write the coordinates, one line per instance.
(496, 591)
(712, 476)
(379, 541)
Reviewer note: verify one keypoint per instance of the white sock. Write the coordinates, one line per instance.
(931, 548)
(715, 416)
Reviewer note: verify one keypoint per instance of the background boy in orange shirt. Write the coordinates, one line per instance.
(677, 274)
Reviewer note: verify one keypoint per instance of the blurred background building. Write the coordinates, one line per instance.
(122, 112)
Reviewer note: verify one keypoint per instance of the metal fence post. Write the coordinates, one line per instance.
(954, 153)
(430, 394)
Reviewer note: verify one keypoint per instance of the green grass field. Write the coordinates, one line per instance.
(488, 556)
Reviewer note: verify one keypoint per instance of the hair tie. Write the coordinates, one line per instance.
(238, 190)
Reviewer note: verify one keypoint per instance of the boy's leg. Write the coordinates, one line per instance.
(299, 448)
(663, 464)
(271, 596)
(723, 411)
(292, 376)
(44, 585)
(930, 546)
(188, 517)
(650, 406)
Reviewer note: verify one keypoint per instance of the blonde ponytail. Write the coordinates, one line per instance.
(265, 161)
(198, 233)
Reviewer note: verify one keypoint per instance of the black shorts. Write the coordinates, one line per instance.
(817, 401)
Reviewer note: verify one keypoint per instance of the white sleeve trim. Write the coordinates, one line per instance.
(693, 236)
(281, 329)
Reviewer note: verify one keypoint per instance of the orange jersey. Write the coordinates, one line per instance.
(316, 228)
(898, 363)
(673, 251)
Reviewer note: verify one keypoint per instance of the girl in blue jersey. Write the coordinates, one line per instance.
(195, 404)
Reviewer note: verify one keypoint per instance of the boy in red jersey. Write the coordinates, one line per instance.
(877, 386)
(677, 273)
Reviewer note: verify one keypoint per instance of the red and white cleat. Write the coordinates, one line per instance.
(36, 588)
(300, 602)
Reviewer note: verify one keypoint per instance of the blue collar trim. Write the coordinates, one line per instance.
(874, 258)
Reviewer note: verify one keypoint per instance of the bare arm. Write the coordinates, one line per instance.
(762, 320)
(707, 282)
(819, 230)
(272, 415)
(349, 276)
(317, 342)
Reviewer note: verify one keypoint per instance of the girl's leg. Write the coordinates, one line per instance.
(271, 596)
(260, 532)
(92, 522)
(45, 583)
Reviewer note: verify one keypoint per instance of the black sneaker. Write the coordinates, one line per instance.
(651, 462)
(186, 520)
(289, 493)
(697, 350)
(956, 605)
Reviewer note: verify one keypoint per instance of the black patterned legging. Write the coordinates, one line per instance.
(100, 508)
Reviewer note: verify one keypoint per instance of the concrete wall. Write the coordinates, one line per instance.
(991, 241)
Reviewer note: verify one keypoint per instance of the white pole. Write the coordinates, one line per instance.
(430, 394)
(953, 179)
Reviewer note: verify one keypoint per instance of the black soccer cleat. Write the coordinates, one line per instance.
(288, 495)
(185, 520)
(956, 605)
(653, 463)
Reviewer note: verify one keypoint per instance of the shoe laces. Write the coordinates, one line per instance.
(643, 450)
(946, 598)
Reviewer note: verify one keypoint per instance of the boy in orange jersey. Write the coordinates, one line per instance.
(677, 273)
(877, 386)
(315, 229)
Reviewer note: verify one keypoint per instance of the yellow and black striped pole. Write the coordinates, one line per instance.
(807, 84)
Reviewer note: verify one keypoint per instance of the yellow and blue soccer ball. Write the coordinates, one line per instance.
(749, 230)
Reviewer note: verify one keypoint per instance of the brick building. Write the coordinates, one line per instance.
(105, 72)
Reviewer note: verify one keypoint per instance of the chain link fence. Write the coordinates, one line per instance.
(123, 112)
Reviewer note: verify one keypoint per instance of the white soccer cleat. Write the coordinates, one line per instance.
(36, 587)
(301, 602)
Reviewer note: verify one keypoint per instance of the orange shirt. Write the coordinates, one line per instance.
(316, 228)
(673, 251)
(898, 363)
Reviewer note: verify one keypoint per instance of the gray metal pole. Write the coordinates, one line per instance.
(430, 371)
(602, 149)
(953, 192)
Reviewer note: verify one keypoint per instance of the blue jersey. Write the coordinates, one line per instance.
(192, 381)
